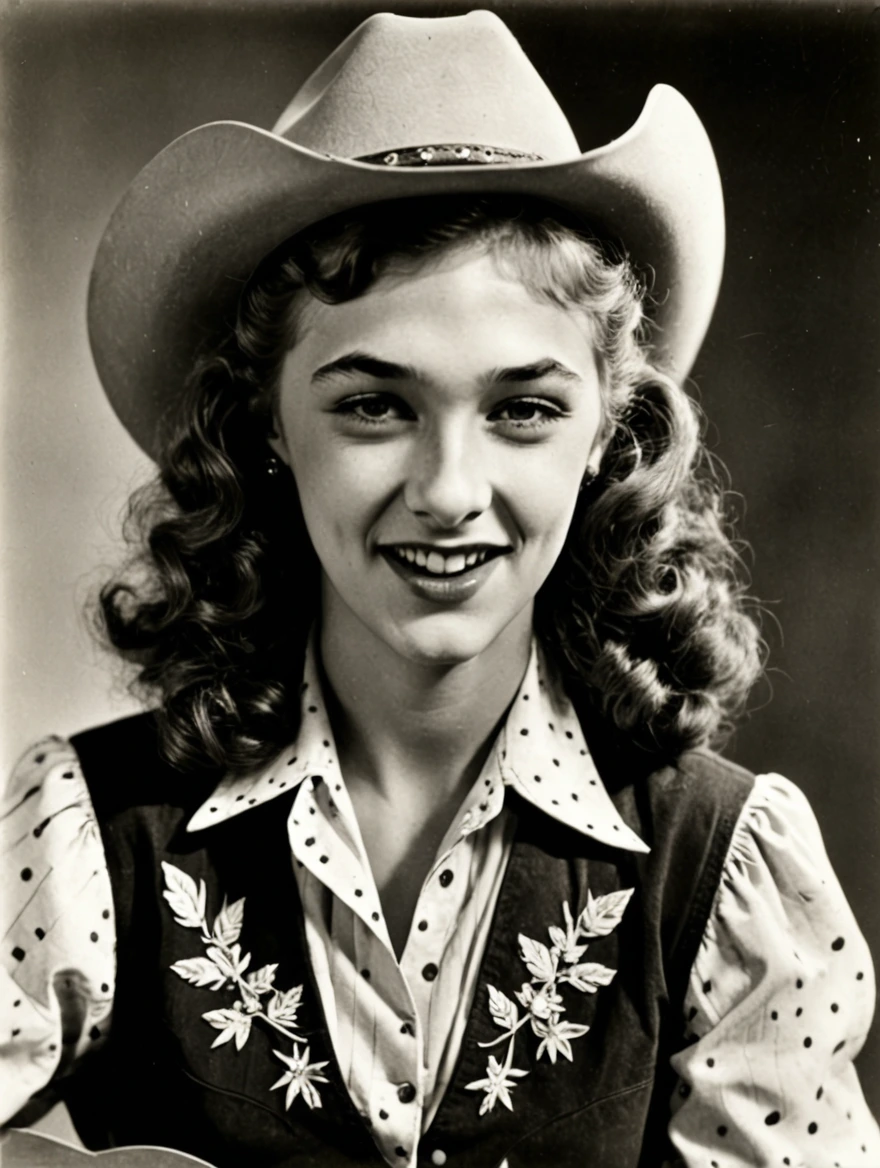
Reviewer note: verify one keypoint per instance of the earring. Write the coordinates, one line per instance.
(273, 467)
(589, 478)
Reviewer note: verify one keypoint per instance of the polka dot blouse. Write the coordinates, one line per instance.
(780, 996)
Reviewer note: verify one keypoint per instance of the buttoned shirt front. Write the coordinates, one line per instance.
(397, 1025)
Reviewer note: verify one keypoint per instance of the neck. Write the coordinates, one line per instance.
(415, 730)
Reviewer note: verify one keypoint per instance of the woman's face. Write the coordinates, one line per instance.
(438, 428)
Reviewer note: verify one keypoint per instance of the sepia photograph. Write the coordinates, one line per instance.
(440, 710)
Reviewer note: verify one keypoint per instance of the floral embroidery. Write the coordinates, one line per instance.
(552, 967)
(225, 967)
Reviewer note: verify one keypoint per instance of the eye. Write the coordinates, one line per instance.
(374, 409)
(526, 413)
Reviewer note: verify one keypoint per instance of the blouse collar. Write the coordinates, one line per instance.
(540, 753)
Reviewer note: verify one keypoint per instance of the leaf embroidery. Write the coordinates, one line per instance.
(224, 967)
(552, 967)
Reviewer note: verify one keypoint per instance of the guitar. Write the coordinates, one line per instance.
(28, 1149)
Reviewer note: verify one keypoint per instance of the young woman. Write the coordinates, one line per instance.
(421, 856)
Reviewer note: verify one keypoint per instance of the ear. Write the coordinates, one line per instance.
(279, 446)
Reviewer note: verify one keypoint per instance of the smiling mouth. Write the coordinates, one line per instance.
(429, 561)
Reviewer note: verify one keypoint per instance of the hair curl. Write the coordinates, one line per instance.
(644, 611)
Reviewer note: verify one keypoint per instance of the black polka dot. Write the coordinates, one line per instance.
(291, 761)
(859, 976)
(17, 1002)
(707, 986)
(555, 802)
(40, 758)
(820, 1092)
(773, 1117)
(589, 827)
(326, 743)
(39, 934)
(710, 1062)
(93, 936)
(238, 798)
(311, 811)
(722, 1130)
(556, 762)
(16, 1033)
(105, 989)
(785, 1160)
(574, 796)
(808, 1042)
(552, 727)
(323, 859)
(446, 877)
(26, 873)
(812, 1128)
(313, 709)
(251, 802)
(568, 734)
(799, 983)
(798, 1011)
(407, 1028)
(837, 944)
(422, 926)
(18, 953)
(284, 784)
(310, 841)
(537, 778)
(524, 733)
(365, 974)
(271, 781)
(834, 1007)
(616, 826)
(774, 1014)
(67, 775)
(839, 1046)
(53, 1046)
(383, 1114)
(525, 697)
(106, 914)
(375, 916)
(430, 971)
(212, 808)
(484, 806)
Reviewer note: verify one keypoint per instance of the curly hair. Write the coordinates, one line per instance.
(644, 612)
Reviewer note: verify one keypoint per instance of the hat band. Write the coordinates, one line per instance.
(451, 154)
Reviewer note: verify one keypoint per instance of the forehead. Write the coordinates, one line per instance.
(462, 304)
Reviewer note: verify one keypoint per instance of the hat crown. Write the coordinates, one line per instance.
(400, 81)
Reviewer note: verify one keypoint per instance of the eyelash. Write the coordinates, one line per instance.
(547, 410)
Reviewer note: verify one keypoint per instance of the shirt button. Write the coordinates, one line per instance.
(446, 877)
(406, 1092)
(438, 1156)
(430, 971)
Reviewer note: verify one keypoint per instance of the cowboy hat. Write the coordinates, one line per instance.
(404, 107)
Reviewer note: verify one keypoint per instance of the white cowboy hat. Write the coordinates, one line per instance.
(405, 106)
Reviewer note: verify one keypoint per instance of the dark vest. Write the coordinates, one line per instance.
(158, 1081)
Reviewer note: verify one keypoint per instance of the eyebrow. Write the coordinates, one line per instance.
(359, 362)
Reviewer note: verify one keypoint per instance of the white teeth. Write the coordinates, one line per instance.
(439, 564)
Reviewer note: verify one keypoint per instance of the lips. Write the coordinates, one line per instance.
(449, 575)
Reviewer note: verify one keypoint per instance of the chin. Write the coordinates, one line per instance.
(446, 639)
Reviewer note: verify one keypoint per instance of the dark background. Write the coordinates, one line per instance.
(790, 95)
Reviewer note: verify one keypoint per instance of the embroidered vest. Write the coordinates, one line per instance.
(158, 1081)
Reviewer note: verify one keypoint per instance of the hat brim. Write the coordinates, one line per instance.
(200, 216)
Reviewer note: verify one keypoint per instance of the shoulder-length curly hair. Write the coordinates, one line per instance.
(644, 611)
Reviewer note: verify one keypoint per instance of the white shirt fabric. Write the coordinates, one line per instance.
(779, 1001)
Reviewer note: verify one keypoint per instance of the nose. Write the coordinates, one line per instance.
(448, 482)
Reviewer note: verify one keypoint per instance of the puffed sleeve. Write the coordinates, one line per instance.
(58, 951)
(780, 1000)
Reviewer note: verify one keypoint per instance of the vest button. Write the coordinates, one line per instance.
(406, 1092)
(430, 971)
(446, 877)
(438, 1156)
